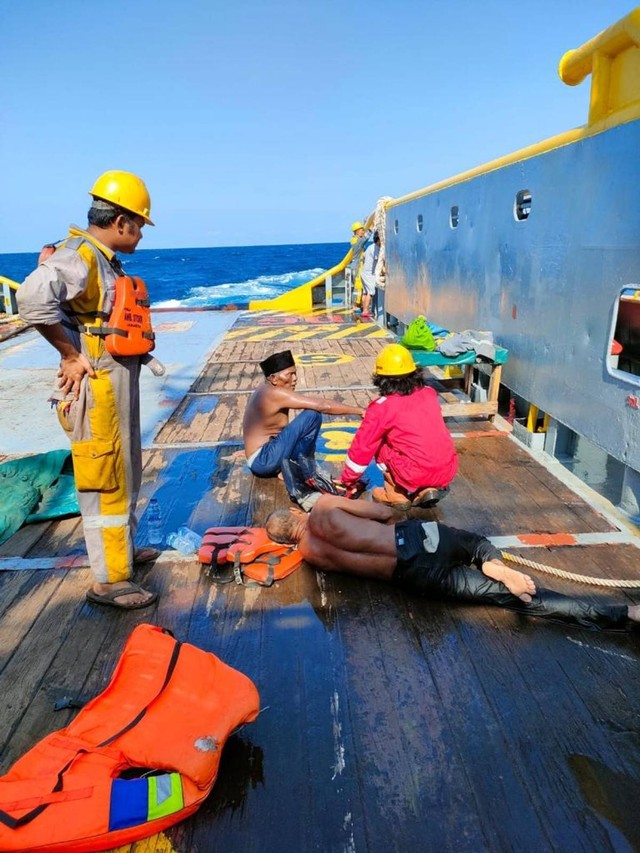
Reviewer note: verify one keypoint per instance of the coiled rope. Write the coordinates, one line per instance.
(571, 576)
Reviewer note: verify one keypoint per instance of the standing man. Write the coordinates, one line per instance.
(368, 275)
(272, 444)
(68, 299)
(358, 241)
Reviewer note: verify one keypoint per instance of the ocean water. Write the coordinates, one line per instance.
(215, 277)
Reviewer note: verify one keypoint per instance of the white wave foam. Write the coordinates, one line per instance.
(240, 292)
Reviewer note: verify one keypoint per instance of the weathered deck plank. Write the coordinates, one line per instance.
(388, 722)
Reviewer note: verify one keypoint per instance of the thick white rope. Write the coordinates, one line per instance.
(559, 573)
(379, 225)
(380, 218)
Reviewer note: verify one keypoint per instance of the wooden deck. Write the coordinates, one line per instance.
(388, 723)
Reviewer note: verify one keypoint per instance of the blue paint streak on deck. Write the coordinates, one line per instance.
(181, 485)
(185, 491)
(197, 406)
(184, 354)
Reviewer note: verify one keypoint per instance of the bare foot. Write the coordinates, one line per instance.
(516, 582)
(633, 613)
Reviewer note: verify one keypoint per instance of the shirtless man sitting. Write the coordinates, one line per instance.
(273, 444)
(431, 559)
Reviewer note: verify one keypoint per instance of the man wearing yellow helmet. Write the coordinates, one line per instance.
(403, 429)
(358, 241)
(68, 298)
(358, 232)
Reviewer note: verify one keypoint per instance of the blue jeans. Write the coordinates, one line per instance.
(297, 443)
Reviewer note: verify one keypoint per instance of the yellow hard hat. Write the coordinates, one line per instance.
(357, 226)
(126, 190)
(395, 360)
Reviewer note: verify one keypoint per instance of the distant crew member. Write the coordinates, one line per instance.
(68, 298)
(272, 444)
(430, 559)
(368, 275)
(358, 242)
(403, 429)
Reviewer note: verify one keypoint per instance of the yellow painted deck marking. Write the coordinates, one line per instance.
(302, 331)
(156, 844)
(363, 330)
(253, 333)
(310, 333)
(311, 359)
(335, 439)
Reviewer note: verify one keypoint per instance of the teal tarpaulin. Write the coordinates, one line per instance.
(36, 488)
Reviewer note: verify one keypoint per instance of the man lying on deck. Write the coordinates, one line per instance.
(361, 538)
(272, 444)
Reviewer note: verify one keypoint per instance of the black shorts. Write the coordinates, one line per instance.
(417, 547)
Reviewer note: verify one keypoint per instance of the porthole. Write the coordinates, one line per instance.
(522, 206)
(420, 222)
(454, 216)
(395, 227)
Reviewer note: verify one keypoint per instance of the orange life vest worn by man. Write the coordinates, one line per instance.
(70, 299)
(403, 429)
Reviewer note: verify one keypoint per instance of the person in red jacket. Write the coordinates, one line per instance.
(403, 429)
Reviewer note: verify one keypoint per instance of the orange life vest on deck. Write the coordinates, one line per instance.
(128, 330)
(163, 719)
(251, 552)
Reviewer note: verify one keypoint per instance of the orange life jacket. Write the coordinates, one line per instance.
(128, 330)
(251, 552)
(138, 758)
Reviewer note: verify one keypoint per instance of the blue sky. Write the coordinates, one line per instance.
(271, 122)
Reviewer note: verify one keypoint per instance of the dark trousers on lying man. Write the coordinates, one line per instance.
(433, 560)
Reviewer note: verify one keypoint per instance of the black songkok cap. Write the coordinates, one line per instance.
(277, 362)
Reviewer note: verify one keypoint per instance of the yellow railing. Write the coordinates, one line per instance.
(14, 285)
(613, 60)
(300, 299)
(8, 288)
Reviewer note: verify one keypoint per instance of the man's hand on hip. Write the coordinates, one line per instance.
(72, 368)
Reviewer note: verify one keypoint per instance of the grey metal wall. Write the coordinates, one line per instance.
(546, 286)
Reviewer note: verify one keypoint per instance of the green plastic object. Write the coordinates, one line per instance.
(418, 336)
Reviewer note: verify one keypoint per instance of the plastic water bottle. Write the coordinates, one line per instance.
(154, 523)
(184, 540)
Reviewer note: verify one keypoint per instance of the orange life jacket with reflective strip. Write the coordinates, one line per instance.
(251, 552)
(138, 758)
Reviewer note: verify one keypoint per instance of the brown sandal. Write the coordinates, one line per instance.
(110, 598)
